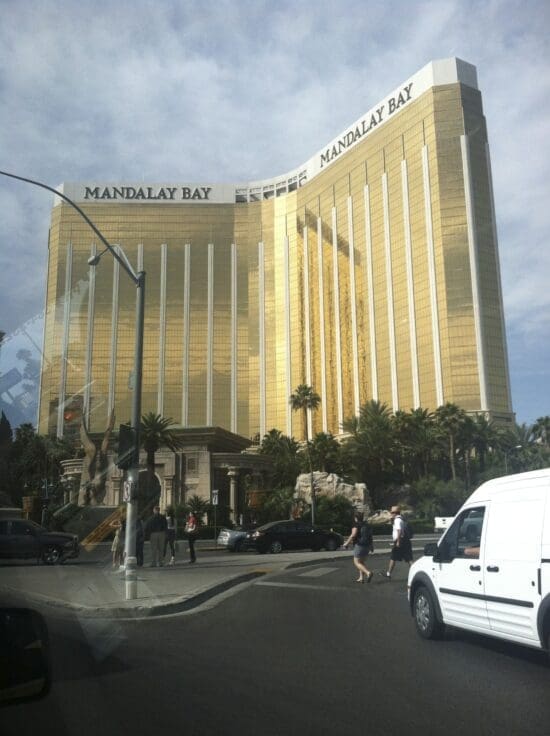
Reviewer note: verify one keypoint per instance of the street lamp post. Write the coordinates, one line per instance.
(133, 472)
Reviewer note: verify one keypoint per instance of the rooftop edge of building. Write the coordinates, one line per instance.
(434, 74)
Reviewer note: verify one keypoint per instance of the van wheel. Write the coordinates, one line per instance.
(425, 616)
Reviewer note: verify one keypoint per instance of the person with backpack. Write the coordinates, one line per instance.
(401, 550)
(361, 536)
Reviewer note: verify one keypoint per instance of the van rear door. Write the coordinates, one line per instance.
(512, 561)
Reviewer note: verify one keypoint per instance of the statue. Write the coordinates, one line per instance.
(94, 466)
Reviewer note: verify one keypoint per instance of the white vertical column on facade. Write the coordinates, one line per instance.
(186, 323)
(89, 338)
(307, 325)
(370, 295)
(288, 373)
(389, 293)
(410, 285)
(353, 310)
(210, 336)
(322, 335)
(261, 336)
(497, 265)
(162, 328)
(65, 339)
(234, 296)
(431, 276)
(474, 270)
(337, 331)
(114, 336)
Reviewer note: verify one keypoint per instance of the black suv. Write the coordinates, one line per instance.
(279, 535)
(25, 539)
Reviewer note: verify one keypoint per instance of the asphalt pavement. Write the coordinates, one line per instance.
(302, 651)
(90, 586)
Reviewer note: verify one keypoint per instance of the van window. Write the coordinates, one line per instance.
(464, 536)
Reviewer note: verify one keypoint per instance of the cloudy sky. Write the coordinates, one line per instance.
(233, 91)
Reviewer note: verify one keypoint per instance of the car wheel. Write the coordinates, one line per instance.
(238, 547)
(275, 547)
(331, 545)
(51, 555)
(425, 616)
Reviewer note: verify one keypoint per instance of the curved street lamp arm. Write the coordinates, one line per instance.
(128, 270)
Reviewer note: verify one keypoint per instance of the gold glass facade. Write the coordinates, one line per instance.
(377, 278)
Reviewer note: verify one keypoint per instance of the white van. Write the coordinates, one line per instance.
(490, 571)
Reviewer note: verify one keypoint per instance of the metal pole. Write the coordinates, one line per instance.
(133, 472)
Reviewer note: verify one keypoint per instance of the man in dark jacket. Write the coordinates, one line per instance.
(155, 529)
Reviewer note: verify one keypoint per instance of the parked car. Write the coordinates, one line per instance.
(490, 571)
(232, 539)
(279, 535)
(24, 539)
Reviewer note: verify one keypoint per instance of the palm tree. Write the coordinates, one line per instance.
(325, 452)
(156, 432)
(371, 446)
(450, 419)
(422, 437)
(305, 399)
(283, 451)
(541, 430)
(485, 438)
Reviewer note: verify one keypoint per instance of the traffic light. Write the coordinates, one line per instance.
(126, 445)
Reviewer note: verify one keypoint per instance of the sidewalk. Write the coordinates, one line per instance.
(94, 589)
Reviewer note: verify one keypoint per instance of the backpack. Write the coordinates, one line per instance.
(364, 538)
(408, 532)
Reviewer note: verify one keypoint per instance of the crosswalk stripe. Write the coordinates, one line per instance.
(319, 572)
(299, 586)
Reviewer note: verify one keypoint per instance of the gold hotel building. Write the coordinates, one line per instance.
(369, 272)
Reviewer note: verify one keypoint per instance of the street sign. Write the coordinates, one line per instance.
(128, 489)
(214, 498)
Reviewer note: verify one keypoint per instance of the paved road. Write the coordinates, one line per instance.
(305, 652)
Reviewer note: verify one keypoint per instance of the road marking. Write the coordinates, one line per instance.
(301, 587)
(319, 572)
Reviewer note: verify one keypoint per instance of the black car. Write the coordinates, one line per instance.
(24, 540)
(279, 535)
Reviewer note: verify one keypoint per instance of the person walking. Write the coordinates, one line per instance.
(191, 529)
(155, 529)
(401, 550)
(171, 530)
(361, 537)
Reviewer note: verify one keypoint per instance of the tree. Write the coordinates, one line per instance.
(450, 418)
(541, 430)
(277, 505)
(283, 452)
(305, 399)
(325, 453)
(156, 432)
(32, 462)
(422, 438)
(370, 447)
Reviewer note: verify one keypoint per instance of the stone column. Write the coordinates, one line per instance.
(169, 499)
(233, 474)
(116, 493)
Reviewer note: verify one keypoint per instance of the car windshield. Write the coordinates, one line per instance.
(265, 266)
